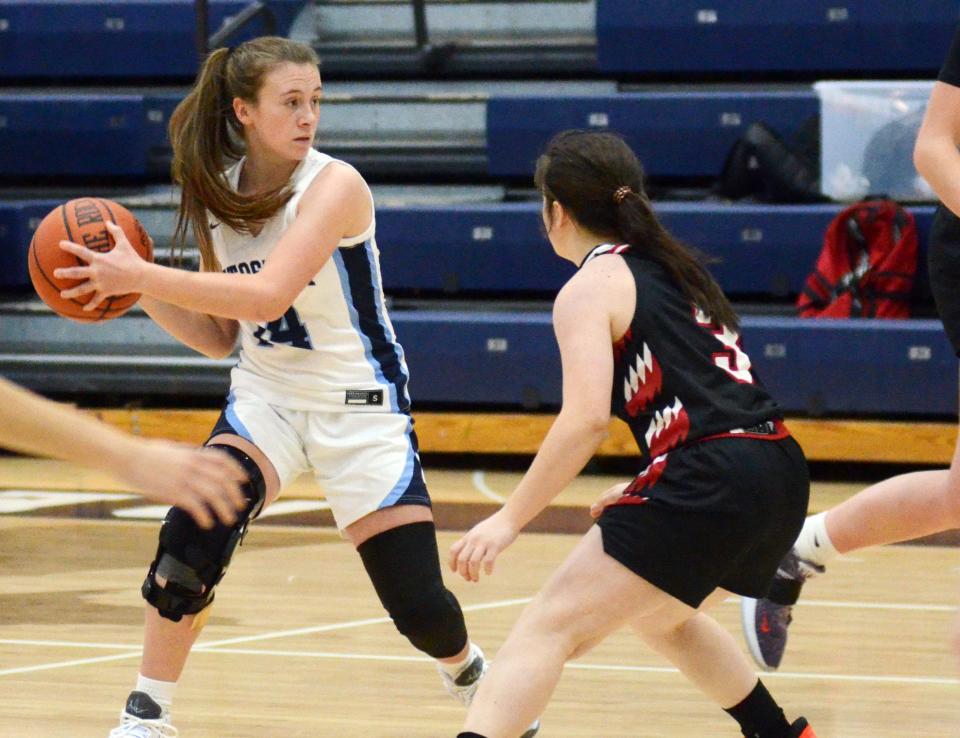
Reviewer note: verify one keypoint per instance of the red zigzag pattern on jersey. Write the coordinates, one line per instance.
(645, 479)
(668, 428)
(643, 382)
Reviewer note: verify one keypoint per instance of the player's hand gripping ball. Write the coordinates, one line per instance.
(82, 221)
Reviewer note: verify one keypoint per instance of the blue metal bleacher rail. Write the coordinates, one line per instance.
(232, 27)
(430, 55)
(489, 359)
(675, 132)
(151, 41)
(782, 37)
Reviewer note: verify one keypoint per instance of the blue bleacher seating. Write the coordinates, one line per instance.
(770, 36)
(18, 220)
(502, 356)
(467, 249)
(765, 250)
(680, 133)
(70, 135)
(113, 40)
(758, 250)
(817, 367)
(124, 134)
(508, 358)
(82, 134)
(158, 105)
(854, 367)
(480, 358)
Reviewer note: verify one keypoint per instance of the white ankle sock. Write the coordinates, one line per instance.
(453, 669)
(813, 543)
(160, 692)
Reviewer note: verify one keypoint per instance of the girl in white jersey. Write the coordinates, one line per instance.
(289, 262)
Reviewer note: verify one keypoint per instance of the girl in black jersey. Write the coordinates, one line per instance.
(910, 505)
(645, 333)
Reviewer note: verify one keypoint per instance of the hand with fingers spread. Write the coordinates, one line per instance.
(479, 548)
(607, 498)
(203, 482)
(115, 272)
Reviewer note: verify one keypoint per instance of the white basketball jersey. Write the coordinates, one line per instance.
(335, 348)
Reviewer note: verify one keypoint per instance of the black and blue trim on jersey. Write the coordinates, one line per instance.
(410, 489)
(229, 422)
(360, 280)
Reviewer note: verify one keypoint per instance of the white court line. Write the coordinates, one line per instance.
(869, 678)
(855, 605)
(318, 655)
(888, 679)
(65, 664)
(902, 606)
(243, 639)
(281, 507)
(480, 482)
(218, 646)
(15, 501)
(66, 644)
(877, 606)
(142, 512)
(343, 626)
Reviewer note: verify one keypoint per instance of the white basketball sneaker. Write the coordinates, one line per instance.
(142, 717)
(465, 684)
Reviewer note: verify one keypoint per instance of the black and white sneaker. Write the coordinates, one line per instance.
(142, 717)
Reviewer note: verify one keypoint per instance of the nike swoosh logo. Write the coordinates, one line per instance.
(764, 625)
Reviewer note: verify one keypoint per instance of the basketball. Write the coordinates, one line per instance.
(81, 221)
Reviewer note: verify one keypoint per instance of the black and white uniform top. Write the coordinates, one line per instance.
(679, 378)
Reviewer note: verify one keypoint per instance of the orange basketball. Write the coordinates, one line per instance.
(81, 221)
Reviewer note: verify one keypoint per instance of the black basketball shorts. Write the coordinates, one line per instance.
(943, 262)
(722, 513)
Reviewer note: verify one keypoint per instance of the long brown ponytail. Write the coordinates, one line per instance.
(206, 136)
(584, 170)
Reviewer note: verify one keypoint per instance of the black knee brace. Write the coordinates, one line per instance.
(404, 566)
(193, 560)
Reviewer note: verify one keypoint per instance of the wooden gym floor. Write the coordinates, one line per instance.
(298, 645)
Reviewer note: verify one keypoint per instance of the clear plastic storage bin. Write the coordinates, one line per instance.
(868, 130)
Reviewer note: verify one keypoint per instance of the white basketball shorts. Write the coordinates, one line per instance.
(362, 461)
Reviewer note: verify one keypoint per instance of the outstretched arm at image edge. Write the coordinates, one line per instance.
(199, 481)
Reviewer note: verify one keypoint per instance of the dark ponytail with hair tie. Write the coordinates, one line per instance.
(621, 194)
(579, 169)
